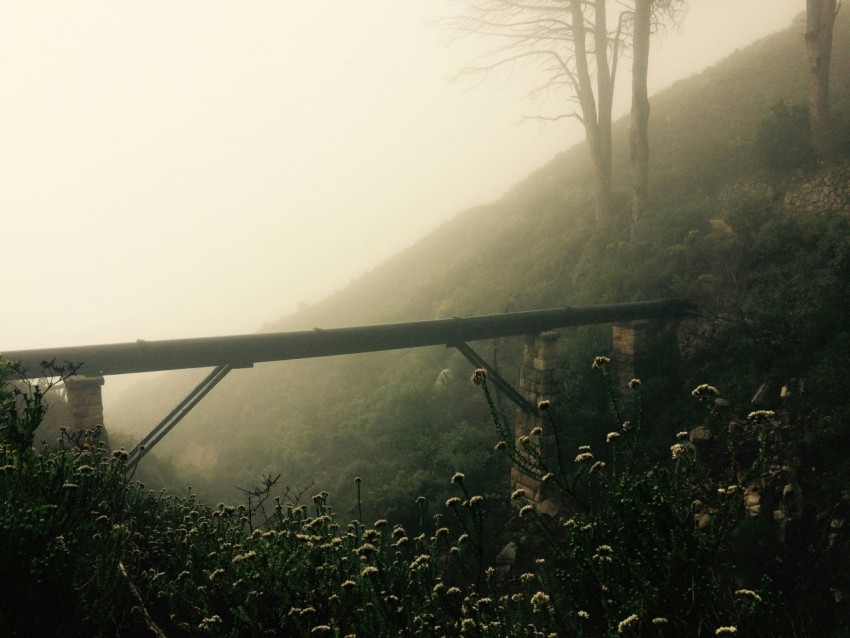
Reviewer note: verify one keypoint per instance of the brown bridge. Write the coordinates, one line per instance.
(83, 390)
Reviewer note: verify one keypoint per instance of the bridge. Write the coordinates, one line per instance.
(223, 354)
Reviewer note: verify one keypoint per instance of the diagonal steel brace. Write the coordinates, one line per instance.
(175, 416)
(506, 388)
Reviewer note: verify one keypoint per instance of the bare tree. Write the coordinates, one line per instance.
(646, 16)
(639, 133)
(571, 41)
(820, 20)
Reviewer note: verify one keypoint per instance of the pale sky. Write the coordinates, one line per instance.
(188, 168)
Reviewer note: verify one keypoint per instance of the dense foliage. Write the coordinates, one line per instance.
(752, 265)
(646, 544)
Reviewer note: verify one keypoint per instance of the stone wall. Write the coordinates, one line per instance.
(828, 192)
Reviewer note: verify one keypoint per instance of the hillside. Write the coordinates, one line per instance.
(382, 418)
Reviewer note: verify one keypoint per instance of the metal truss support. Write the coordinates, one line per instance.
(175, 416)
(506, 388)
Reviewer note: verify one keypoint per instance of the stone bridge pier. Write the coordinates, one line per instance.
(631, 356)
(85, 402)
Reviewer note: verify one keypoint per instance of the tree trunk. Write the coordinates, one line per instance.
(820, 19)
(597, 123)
(605, 91)
(639, 135)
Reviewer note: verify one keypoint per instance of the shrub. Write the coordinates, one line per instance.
(783, 141)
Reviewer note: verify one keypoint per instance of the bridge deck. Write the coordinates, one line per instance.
(246, 350)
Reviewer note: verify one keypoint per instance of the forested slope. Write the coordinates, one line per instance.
(381, 416)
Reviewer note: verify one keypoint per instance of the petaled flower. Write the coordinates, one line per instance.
(475, 500)
(525, 510)
(544, 405)
(682, 435)
(677, 449)
(539, 600)
(584, 456)
(597, 467)
(583, 615)
(458, 477)
(479, 376)
(365, 549)
(518, 493)
(748, 593)
(626, 622)
(612, 436)
(634, 384)
(369, 571)
(726, 631)
(704, 391)
(419, 561)
(453, 501)
(761, 415)
(599, 362)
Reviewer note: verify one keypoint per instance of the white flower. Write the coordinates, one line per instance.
(539, 600)
(626, 622)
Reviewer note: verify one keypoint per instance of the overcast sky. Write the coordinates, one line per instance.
(188, 168)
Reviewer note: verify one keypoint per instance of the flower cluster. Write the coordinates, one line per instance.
(600, 362)
(479, 376)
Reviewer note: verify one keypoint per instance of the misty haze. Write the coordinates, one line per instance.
(456, 318)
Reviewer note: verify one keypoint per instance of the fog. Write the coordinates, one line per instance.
(191, 168)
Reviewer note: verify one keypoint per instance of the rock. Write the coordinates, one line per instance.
(508, 554)
(549, 507)
(752, 501)
(700, 435)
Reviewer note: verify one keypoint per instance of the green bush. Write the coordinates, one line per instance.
(783, 141)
